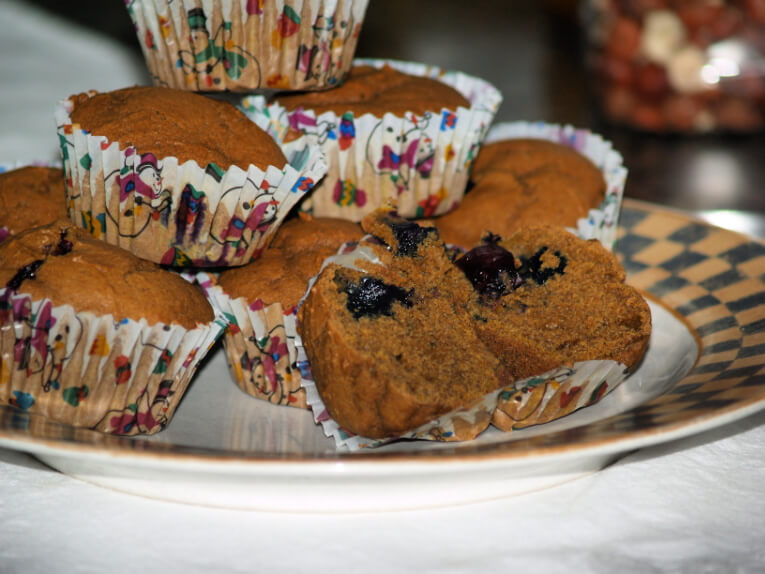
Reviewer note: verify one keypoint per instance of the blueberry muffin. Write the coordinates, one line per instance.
(407, 334)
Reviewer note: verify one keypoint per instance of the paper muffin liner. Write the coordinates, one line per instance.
(601, 222)
(245, 45)
(421, 162)
(123, 377)
(533, 400)
(179, 214)
(4, 232)
(259, 342)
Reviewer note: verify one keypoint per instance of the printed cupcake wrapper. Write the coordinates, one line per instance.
(534, 400)
(4, 232)
(124, 377)
(259, 341)
(245, 45)
(601, 223)
(421, 162)
(179, 214)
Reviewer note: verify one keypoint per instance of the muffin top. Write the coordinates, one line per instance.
(309, 233)
(370, 90)
(186, 125)
(65, 264)
(31, 196)
(527, 156)
(521, 182)
(282, 272)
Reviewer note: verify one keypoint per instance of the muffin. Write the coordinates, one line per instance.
(118, 362)
(178, 178)
(30, 196)
(245, 45)
(399, 335)
(400, 132)
(262, 298)
(538, 173)
(522, 182)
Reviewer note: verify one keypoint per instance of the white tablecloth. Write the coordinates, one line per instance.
(694, 505)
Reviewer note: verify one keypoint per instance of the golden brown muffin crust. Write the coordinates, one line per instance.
(282, 272)
(91, 275)
(370, 90)
(306, 232)
(31, 196)
(169, 122)
(523, 182)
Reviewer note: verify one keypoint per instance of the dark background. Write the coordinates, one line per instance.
(532, 50)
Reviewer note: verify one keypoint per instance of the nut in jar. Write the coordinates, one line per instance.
(679, 65)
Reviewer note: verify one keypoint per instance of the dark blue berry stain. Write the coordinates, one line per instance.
(63, 246)
(371, 297)
(29, 271)
(490, 268)
(532, 267)
(409, 236)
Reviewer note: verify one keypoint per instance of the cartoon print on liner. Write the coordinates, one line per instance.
(315, 61)
(141, 200)
(213, 50)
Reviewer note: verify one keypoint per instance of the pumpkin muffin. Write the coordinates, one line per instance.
(396, 132)
(414, 336)
(31, 196)
(520, 182)
(246, 45)
(176, 177)
(93, 336)
(262, 297)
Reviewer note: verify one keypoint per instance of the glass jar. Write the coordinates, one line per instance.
(679, 65)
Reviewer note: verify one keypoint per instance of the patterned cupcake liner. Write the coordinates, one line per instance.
(534, 400)
(245, 45)
(421, 162)
(601, 222)
(122, 377)
(259, 342)
(179, 214)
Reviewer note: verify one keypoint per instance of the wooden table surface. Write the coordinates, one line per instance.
(532, 51)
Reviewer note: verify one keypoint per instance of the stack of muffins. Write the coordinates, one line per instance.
(256, 202)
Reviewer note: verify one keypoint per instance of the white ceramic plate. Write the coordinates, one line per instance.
(223, 448)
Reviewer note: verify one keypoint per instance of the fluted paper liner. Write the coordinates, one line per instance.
(534, 400)
(179, 214)
(420, 162)
(601, 222)
(123, 377)
(245, 45)
(259, 341)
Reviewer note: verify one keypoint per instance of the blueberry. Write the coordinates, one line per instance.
(372, 296)
(29, 271)
(63, 246)
(532, 267)
(490, 268)
(409, 236)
